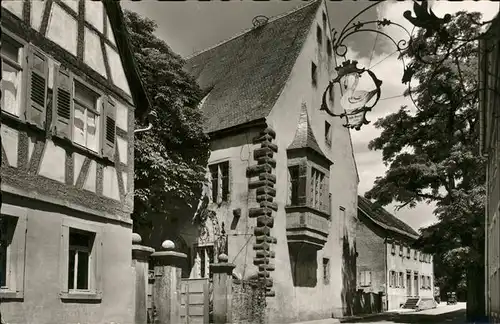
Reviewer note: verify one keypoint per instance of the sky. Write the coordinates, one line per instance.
(191, 26)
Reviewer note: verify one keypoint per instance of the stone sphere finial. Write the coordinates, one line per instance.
(223, 258)
(168, 245)
(136, 238)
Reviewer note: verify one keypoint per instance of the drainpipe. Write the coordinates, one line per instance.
(149, 117)
(386, 276)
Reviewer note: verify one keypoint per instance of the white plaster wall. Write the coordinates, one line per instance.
(322, 300)
(116, 67)
(94, 14)
(62, 29)
(92, 55)
(37, 9)
(10, 140)
(14, 6)
(53, 162)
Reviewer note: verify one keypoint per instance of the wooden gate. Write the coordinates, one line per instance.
(195, 301)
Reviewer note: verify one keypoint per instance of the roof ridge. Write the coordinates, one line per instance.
(374, 208)
(245, 31)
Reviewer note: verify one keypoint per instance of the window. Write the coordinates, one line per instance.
(294, 185)
(317, 188)
(304, 265)
(408, 252)
(329, 48)
(12, 54)
(421, 257)
(12, 251)
(314, 74)
(393, 248)
(326, 271)
(400, 250)
(392, 279)
(328, 133)
(365, 278)
(80, 260)
(429, 284)
(319, 36)
(203, 257)
(415, 254)
(81, 251)
(401, 280)
(86, 117)
(219, 174)
(7, 226)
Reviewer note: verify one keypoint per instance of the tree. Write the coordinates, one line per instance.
(432, 154)
(170, 159)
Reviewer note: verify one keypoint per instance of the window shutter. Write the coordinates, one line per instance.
(36, 88)
(109, 113)
(61, 108)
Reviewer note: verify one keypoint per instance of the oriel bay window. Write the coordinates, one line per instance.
(308, 189)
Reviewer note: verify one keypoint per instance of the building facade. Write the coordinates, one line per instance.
(70, 94)
(489, 136)
(283, 179)
(386, 262)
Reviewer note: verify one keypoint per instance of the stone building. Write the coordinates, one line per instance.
(386, 262)
(489, 136)
(283, 179)
(70, 94)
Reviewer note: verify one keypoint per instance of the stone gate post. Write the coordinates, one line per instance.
(167, 285)
(140, 258)
(222, 290)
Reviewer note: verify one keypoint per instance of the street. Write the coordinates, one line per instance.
(452, 314)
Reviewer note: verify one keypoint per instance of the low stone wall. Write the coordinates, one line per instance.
(248, 302)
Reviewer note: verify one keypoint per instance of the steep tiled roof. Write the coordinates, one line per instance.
(247, 73)
(304, 136)
(385, 219)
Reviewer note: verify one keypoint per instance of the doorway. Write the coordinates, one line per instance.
(415, 283)
(408, 284)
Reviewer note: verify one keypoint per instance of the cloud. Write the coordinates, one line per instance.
(389, 69)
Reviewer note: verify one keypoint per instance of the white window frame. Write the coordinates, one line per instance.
(98, 112)
(365, 278)
(21, 67)
(16, 253)
(95, 262)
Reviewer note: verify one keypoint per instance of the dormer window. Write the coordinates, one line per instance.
(328, 133)
(314, 74)
(319, 35)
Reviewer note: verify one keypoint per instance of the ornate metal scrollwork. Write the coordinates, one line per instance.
(354, 102)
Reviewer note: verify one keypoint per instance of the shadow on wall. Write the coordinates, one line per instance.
(348, 293)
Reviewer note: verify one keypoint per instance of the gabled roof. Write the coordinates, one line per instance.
(304, 136)
(247, 73)
(139, 94)
(384, 219)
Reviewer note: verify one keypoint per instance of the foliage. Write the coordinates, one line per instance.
(170, 159)
(432, 153)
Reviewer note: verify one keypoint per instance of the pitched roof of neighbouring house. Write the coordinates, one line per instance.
(247, 73)
(304, 136)
(117, 22)
(383, 218)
